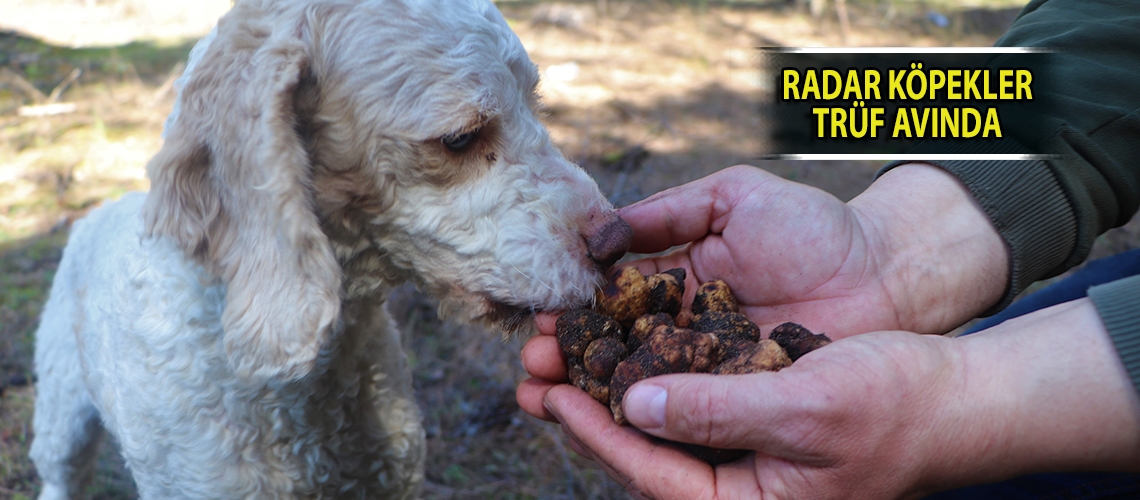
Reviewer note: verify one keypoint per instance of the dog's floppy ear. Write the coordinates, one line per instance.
(230, 186)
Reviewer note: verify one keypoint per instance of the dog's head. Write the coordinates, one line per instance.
(323, 151)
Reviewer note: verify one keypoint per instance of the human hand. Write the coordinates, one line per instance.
(878, 416)
(891, 259)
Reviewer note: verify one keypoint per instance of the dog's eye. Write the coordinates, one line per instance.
(459, 142)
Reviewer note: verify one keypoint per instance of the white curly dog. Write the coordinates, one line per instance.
(228, 327)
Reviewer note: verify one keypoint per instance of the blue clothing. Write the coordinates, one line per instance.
(1072, 485)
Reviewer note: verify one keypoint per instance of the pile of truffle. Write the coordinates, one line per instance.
(638, 330)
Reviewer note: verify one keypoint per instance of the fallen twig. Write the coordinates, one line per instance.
(58, 90)
(23, 84)
(58, 108)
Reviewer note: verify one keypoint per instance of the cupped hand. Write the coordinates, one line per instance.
(830, 426)
(914, 252)
(891, 259)
(788, 251)
(877, 416)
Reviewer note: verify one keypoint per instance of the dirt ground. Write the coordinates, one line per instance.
(644, 95)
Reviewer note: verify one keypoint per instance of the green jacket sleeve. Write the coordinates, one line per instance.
(1050, 212)
(1119, 306)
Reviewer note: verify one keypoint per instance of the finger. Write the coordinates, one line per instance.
(578, 447)
(659, 471)
(688, 212)
(542, 359)
(546, 322)
(530, 394)
(716, 410)
(672, 217)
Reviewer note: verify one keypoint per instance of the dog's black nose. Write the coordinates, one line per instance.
(607, 239)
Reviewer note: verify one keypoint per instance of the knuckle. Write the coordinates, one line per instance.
(709, 413)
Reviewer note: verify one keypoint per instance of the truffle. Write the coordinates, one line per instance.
(639, 331)
(577, 328)
(684, 319)
(666, 292)
(764, 356)
(668, 350)
(797, 340)
(714, 296)
(727, 324)
(603, 356)
(643, 327)
(625, 297)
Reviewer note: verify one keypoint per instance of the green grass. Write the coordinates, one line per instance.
(26, 270)
(45, 65)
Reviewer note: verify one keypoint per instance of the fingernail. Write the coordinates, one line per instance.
(550, 408)
(644, 406)
(577, 446)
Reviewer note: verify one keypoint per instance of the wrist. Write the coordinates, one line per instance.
(1043, 392)
(939, 257)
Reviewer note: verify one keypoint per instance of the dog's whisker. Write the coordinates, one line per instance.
(543, 283)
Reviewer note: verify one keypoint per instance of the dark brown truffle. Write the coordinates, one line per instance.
(582, 379)
(797, 340)
(674, 346)
(727, 324)
(576, 370)
(665, 292)
(714, 296)
(706, 352)
(677, 272)
(576, 329)
(668, 350)
(625, 297)
(731, 347)
(684, 319)
(602, 356)
(643, 328)
(597, 389)
(764, 356)
(713, 456)
(629, 371)
(640, 331)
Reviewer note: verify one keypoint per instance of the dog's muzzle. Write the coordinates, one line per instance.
(608, 239)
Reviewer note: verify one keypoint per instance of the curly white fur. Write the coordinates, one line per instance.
(228, 327)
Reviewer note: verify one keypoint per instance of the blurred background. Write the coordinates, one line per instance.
(644, 94)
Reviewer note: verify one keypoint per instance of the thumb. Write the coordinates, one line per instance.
(688, 212)
(721, 411)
